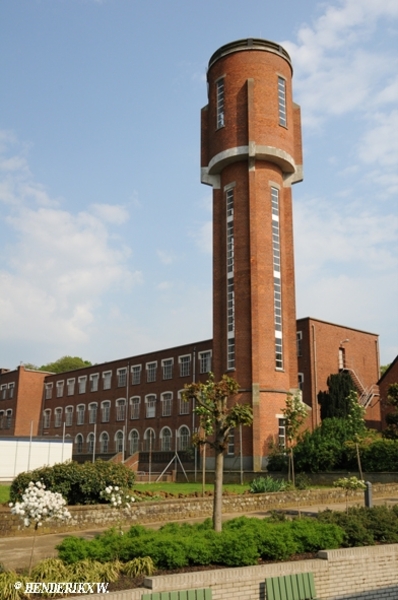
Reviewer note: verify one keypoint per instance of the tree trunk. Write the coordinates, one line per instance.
(217, 500)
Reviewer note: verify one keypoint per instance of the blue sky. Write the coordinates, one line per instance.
(105, 228)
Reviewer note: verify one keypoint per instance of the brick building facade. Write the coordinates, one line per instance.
(21, 392)
(325, 348)
(251, 154)
(389, 377)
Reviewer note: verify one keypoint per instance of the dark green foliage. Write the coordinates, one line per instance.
(380, 455)
(365, 526)
(334, 402)
(78, 483)
(311, 536)
(391, 431)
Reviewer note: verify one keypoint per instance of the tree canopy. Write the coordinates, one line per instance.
(334, 402)
(65, 363)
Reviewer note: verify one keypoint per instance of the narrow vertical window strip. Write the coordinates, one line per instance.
(282, 101)
(220, 103)
(276, 258)
(230, 279)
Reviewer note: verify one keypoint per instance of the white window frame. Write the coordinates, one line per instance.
(136, 371)
(166, 400)
(92, 412)
(80, 414)
(149, 433)
(121, 377)
(136, 446)
(281, 431)
(47, 418)
(168, 437)
(150, 406)
(151, 368)
(94, 382)
(104, 442)
(119, 441)
(183, 442)
(121, 409)
(282, 101)
(8, 418)
(135, 405)
(167, 368)
(183, 405)
(58, 416)
(106, 380)
(48, 393)
(68, 416)
(60, 388)
(11, 390)
(90, 440)
(82, 384)
(205, 361)
(79, 441)
(70, 386)
(231, 443)
(185, 362)
(105, 411)
(220, 102)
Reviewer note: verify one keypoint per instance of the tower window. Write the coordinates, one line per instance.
(282, 101)
(220, 103)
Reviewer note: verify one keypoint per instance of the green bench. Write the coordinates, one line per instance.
(291, 587)
(182, 595)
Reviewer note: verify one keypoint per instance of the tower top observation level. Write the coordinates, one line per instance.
(247, 45)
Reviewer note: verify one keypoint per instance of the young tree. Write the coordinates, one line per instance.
(217, 417)
(295, 413)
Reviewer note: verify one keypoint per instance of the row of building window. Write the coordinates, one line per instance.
(220, 102)
(151, 408)
(135, 444)
(7, 391)
(230, 237)
(92, 382)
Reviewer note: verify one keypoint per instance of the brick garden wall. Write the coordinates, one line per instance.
(102, 516)
(369, 573)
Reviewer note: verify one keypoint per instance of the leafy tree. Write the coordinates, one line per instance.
(217, 418)
(391, 431)
(383, 369)
(66, 363)
(334, 402)
(295, 413)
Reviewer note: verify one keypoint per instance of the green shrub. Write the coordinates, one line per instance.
(355, 533)
(235, 551)
(72, 549)
(312, 536)
(276, 541)
(261, 485)
(78, 483)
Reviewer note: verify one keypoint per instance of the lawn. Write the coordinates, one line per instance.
(186, 488)
(4, 493)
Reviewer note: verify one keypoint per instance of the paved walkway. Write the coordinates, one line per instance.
(15, 551)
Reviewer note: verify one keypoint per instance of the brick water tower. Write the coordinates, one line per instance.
(251, 154)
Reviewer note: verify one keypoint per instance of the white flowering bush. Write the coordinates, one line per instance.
(39, 504)
(117, 497)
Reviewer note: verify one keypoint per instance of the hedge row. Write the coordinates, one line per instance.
(242, 542)
(78, 483)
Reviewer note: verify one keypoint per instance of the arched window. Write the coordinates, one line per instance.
(90, 443)
(135, 407)
(134, 441)
(79, 443)
(80, 410)
(104, 442)
(183, 438)
(8, 418)
(149, 440)
(119, 439)
(165, 439)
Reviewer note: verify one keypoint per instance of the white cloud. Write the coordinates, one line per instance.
(57, 265)
(166, 258)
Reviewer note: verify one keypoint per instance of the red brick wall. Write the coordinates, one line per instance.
(389, 377)
(321, 344)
